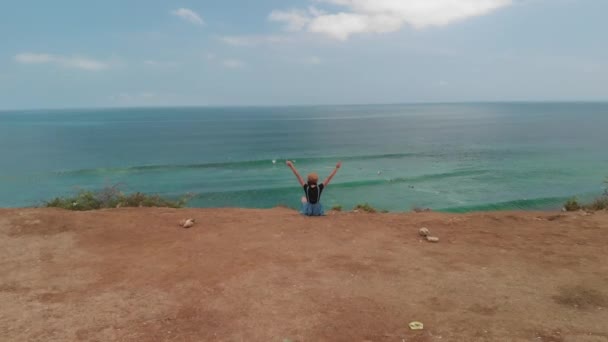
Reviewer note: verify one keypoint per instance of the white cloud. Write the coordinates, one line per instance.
(314, 60)
(233, 64)
(74, 62)
(34, 58)
(228, 63)
(254, 40)
(382, 16)
(295, 20)
(188, 15)
(84, 63)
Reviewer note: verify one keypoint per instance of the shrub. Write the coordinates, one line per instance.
(365, 207)
(111, 197)
(336, 207)
(84, 200)
(600, 203)
(384, 211)
(572, 205)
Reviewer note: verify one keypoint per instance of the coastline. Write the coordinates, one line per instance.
(133, 274)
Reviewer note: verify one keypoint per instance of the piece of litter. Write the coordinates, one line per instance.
(424, 231)
(432, 239)
(416, 326)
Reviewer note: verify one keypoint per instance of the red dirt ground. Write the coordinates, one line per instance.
(273, 275)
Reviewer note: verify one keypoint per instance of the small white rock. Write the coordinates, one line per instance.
(432, 239)
(424, 231)
(187, 223)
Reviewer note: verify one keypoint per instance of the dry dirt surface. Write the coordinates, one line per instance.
(273, 275)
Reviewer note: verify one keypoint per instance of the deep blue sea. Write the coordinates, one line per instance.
(454, 157)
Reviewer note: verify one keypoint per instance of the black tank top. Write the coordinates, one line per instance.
(313, 193)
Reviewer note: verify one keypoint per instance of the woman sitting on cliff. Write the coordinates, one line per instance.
(311, 202)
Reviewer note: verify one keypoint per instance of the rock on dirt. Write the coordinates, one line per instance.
(432, 239)
(187, 223)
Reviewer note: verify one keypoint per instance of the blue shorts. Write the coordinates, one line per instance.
(312, 209)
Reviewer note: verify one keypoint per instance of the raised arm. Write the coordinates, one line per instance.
(332, 174)
(295, 172)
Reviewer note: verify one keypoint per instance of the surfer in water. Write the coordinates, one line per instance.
(311, 202)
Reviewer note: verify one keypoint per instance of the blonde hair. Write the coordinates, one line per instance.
(313, 178)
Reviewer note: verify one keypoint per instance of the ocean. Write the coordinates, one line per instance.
(448, 157)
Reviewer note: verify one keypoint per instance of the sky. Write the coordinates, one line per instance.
(115, 53)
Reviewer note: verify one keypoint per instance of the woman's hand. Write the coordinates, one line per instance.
(289, 163)
(339, 165)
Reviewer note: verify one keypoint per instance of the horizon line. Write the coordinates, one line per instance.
(304, 105)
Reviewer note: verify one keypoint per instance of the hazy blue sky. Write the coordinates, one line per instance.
(74, 53)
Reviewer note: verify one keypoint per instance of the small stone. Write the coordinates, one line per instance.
(416, 326)
(187, 223)
(424, 231)
(432, 239)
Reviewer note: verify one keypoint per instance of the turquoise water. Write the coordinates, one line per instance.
(456, 157)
